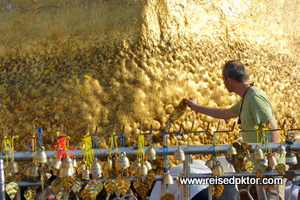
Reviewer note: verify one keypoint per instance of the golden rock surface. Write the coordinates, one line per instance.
(112, 63)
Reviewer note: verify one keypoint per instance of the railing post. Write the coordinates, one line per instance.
(209, 192)
(2, 181)
(187, 172)
(291, 191)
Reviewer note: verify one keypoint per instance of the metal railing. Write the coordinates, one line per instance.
(189, 150)
(131, 152)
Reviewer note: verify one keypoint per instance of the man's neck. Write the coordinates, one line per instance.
(241, 88)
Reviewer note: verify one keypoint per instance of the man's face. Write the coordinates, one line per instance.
(227, 83)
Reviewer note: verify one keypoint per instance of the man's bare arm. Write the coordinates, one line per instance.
(275, 134)
(220, 113)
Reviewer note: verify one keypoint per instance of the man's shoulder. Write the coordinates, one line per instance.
(255, 89)
(258, 96)
(256, 92)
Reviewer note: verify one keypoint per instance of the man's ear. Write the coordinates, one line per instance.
(229, 80)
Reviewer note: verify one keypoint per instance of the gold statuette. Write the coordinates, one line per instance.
(12, 189)
(167, 196)
(218, 190)
(30, 193)
(123, 185)
(77, 185)
(280, 169)
(94, 187)
(141, 189)
(110, 187)
(249, 166)
(67, 183)
(84, 194)
(142, 186)
(56, 186)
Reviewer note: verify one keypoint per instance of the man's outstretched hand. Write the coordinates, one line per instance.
(191, 102)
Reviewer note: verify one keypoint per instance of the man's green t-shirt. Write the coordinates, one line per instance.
(256, 109)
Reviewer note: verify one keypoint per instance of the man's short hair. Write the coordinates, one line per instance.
(235, 70)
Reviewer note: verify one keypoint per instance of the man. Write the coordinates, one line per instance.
(253, 109)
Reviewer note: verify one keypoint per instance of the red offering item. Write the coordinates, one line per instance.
(60, 145)
(70, 151)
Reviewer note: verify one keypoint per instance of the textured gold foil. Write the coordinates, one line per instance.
(61, 65)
